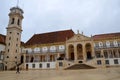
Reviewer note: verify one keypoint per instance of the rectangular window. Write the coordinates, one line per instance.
(33, 65)
(106, 54)
(98, 55)
(40, 65)
(116, 61)
(48, 65)
(106, 61)
(60, 64)
(99, 62)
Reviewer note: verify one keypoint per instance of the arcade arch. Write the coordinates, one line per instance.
(71, 52)
(79, 51)
(88, 51)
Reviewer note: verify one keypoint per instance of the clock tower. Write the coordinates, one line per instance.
(13, 38)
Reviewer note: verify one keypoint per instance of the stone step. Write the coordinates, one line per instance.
(79, 66)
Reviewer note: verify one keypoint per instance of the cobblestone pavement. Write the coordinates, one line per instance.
(92, 74)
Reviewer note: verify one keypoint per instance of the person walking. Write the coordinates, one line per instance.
(18, 70)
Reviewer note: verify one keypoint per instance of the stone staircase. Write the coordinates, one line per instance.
(79, 66)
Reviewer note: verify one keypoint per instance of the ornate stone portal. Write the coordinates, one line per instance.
(79, 48)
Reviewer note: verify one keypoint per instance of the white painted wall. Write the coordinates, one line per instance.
(44, 65)
(111, 61)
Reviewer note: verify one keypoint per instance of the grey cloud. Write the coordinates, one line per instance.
(90, 16)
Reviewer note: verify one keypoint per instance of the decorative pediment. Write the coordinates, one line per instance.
(79, 37)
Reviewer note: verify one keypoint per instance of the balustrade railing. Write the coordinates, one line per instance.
(48, 51)
(111, 46)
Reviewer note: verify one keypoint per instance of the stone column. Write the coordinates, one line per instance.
(42, 58)
(29, 58)
(117, 53)
(103, 59)
(93, 51)
(75, 52)
(67, 52)
(84, 52)
(108, 53)
(58, 55)
(24, 57)
(102, 53)
(52, 57)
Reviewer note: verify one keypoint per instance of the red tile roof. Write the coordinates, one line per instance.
(106, 36)
(51, 37)
(2, 39)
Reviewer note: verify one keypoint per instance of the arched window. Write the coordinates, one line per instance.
(52, 49)
(115, 43)
(100, 44)
(44, 49)
(36, 50)
(108, 43)
(12, 21)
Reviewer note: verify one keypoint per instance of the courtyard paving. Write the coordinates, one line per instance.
(92, 74)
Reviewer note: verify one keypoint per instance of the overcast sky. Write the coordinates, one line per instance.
(41, 16)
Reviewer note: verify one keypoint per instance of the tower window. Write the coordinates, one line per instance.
(10, 32)
(16, 50)
(18, 22)
(15, 57)
(9, 44)
(7, 56)
(17, 39)
(8, 50)
(12, 21)
(9, 38)
(17, 33)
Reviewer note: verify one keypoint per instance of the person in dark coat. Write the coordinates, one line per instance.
(18, 69)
